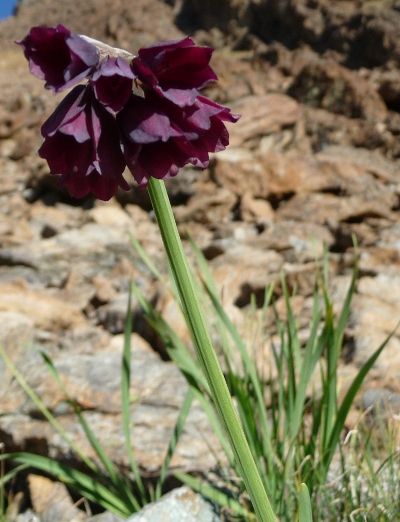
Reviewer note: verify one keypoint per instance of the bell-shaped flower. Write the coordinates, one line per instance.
(82, 144)
(176, 69)
(112, 83)
(159, 137)
(59, 57)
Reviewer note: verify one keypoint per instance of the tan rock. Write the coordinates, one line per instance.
(373, 320)
(322, 208)
(211, 204)
(264, 115)
(51, 500)
(322, 82)
(256, 210)
(244, 270)
(45, 311)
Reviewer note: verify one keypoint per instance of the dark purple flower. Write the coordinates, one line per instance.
(112, 83)
(159, 137)
(59, 57)
(176, 70)
(100, 129)
(82, 144)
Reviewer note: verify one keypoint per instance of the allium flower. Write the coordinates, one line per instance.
(81, 143)
(58, 56)
(112, 83)
(100, 129)
(176, 70)
(159, 137)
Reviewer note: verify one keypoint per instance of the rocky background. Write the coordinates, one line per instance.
(314, 159)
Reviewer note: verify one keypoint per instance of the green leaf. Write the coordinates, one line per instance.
(305, 510)
(125, 400)
(88, 487)
(178, 429)
(348, 401)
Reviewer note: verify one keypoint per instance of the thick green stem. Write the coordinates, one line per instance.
(205, 351)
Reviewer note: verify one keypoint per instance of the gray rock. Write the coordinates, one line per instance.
(28, 516)
(180, 505)
(381, 402)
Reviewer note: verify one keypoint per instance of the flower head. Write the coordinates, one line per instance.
(100, 128)
(81, 143)
(58, 56)
(159, 137)
(176, 70)
(112, 83)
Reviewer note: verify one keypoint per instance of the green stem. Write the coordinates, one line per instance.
(205, 351)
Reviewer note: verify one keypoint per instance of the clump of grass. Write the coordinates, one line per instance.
(295, 439)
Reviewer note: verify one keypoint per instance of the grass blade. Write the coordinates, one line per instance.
(178, 429)
(348, 401)
(125, 399)
(91, 488)
(305, 511)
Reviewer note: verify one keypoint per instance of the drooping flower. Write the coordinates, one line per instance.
(82, 144)
(176, 69)
(159, 137)
(112, 83)
(100, 129)
(59, 57)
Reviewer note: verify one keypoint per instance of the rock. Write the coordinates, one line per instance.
(242, 271)
(359, 158)
(51, 500)
(28, 516)
(381, 401)
(266, 115)
(93, 381)
(328, 208)
(16, 332)
(256, 210)
(294, 240)
(373, 320)
(211, 204)
(181, 505)
(326, 84)
(327, 129)
(46, 312)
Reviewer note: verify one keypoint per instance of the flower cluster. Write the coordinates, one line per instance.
(144, 112)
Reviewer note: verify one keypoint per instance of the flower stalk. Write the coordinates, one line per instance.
(205, 351)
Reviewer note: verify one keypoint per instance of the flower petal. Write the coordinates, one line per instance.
(58, 56)
(143, 122)
(112, 83)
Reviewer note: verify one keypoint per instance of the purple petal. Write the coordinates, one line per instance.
(181, 97)
(143, 123)
(144, 72)
(178, 65)
(160, 160)
(65, 155)
(58, 56)
(112, 83)
(69, 110)
(101, 187)
(153, 54)
(95, 163)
